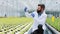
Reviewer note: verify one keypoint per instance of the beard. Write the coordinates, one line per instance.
(39, 11)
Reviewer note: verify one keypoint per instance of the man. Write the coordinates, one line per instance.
(39, 17)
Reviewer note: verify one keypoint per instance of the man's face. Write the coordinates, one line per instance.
(39, 8)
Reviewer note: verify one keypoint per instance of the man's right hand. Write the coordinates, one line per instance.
(25, 9)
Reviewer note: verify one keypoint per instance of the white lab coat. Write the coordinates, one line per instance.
(37, 20)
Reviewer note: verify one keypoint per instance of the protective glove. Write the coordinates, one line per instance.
(25, 9)
(32, 15)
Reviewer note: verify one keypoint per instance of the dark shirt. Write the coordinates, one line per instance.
(39, 14)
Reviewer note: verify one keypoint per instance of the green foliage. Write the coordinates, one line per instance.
(13, 24)
(55, 24)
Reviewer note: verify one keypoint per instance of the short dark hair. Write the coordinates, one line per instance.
(42, 6)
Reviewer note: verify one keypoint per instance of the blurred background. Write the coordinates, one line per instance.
(16, 7)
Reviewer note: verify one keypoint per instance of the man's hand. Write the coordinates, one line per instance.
(32, 15)
(25, 9)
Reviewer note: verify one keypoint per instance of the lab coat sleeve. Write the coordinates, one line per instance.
(29, 14)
